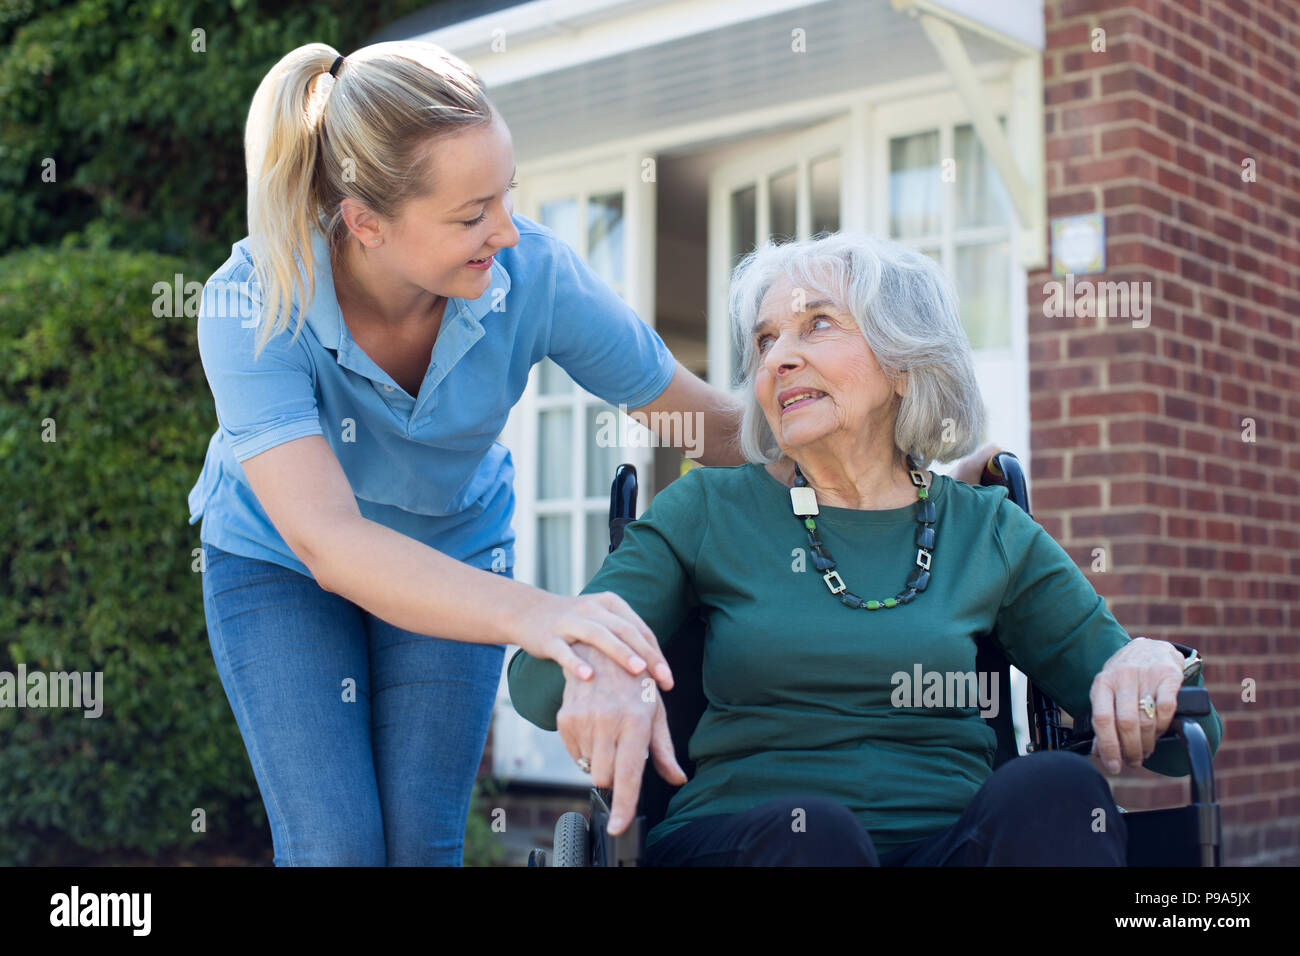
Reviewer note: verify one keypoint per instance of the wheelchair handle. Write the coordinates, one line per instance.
(622, 503)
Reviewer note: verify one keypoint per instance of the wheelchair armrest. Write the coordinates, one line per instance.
(1193, 702)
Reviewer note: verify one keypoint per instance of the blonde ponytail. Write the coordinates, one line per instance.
(312, 140)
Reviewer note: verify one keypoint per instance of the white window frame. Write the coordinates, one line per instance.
(799, 150)
(520, 751)
(1005, 368)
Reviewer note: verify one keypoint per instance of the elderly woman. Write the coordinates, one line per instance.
(832, 564)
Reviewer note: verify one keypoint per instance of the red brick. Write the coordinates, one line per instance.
(1114, 403)
(1126, 492)
(1056, 378)
(1115, 463)
(1143, 431)
(1053, 497)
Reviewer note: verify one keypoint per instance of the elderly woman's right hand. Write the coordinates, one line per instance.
(612, 720)
(549, 627)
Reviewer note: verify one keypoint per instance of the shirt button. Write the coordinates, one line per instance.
(388, 388)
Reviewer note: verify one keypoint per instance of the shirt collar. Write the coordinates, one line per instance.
(326, 319)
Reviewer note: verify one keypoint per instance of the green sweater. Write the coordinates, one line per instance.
(803, 691)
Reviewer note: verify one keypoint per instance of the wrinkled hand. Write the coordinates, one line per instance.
(1140, 667)
(612, 720)
(971, 468)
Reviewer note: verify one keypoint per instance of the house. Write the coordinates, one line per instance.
(1112, 185)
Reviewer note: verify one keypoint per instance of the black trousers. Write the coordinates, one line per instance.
(1049, 808)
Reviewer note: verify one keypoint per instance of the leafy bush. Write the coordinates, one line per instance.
(104, 418)
(140, 119)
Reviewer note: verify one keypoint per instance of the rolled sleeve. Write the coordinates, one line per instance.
(600, 341)
(264, 401)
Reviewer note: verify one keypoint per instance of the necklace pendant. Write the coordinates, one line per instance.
(804, 501)
(834, 581)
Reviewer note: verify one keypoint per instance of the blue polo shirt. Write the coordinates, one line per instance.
(428, 466)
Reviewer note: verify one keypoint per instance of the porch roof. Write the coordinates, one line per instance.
(581, 72)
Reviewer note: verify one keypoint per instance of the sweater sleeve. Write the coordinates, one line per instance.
(1054, 626)
(653, 570)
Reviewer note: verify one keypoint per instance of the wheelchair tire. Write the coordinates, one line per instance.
(570, 840)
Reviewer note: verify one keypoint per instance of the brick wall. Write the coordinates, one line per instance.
(1137, 433)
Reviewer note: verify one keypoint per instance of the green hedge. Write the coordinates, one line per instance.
(96, 573)
(95, 565)
(119, 122)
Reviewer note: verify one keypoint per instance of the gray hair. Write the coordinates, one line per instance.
(907, 309)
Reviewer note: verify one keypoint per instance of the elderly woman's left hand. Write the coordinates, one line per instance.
(1140, 668)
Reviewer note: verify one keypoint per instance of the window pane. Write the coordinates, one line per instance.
(914, 185)
(553, 554)
(561, 216)
(826, 194)
(604, 453)
(551, 379)
(554, 453)
(983, 284)
(781, 202)
(981, 199)
(605, 237)
(744, 222)
(597, 543)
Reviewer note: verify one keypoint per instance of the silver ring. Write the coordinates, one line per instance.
(1148, 706)
(584, 765)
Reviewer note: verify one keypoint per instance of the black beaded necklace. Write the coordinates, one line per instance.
(804, 502)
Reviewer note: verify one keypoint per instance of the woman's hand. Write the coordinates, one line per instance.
(603, 620)
(971, 468)
(612, 720)
(1140, 668)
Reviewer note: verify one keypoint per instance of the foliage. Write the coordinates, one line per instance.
(145, 129)
(482, 843)
(96, 562)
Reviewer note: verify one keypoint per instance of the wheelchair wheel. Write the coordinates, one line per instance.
(570, 840)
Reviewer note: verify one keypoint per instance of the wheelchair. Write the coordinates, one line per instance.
(1178, 836)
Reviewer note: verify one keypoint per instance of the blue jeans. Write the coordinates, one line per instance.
(365, 738)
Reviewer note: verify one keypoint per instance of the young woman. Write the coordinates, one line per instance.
(356, 506)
